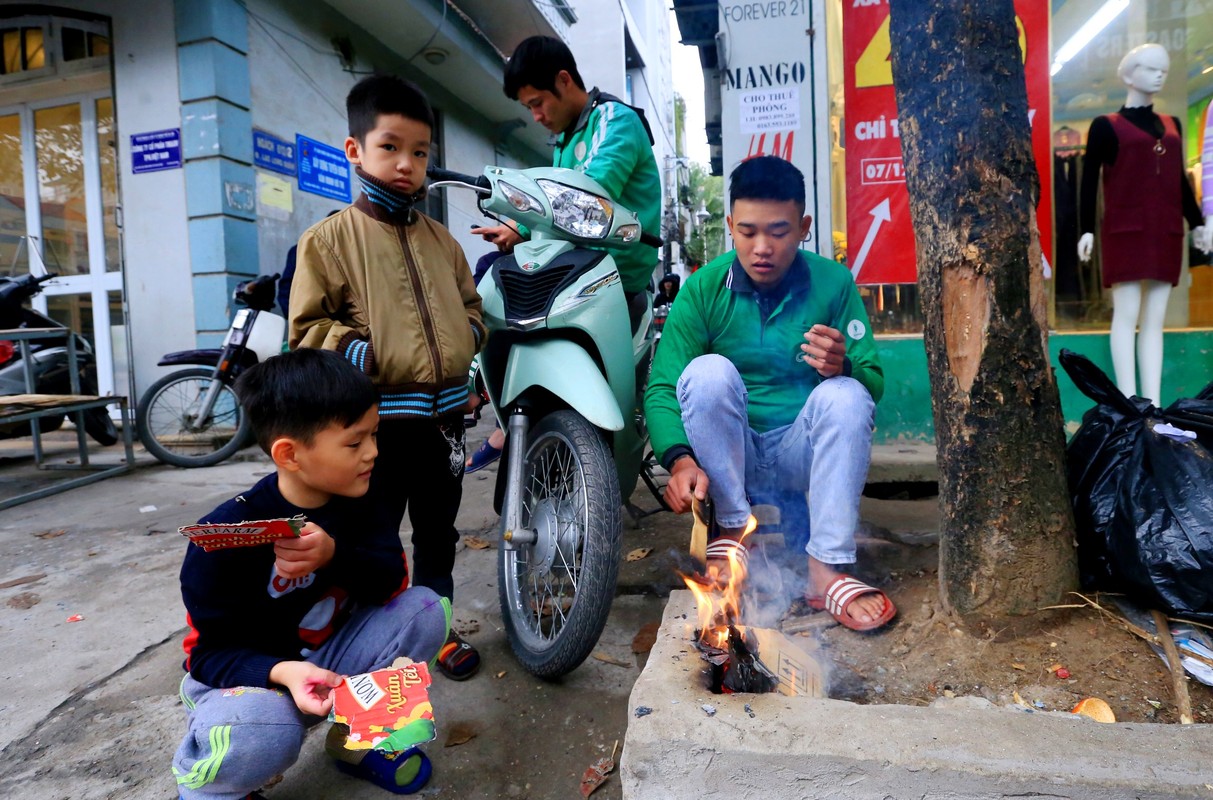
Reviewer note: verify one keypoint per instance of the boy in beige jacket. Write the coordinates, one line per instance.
(390, 290)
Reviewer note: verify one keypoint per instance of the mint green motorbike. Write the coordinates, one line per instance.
(564, 366)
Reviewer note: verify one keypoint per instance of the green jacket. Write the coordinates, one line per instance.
(609, 143)
(718, 312)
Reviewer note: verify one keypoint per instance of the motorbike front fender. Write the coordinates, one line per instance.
(567, 371)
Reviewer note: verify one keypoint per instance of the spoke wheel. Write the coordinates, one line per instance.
(556, 593)
(171, 430)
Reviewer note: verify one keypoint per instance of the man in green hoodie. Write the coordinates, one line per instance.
(765, 384)
(592, 132)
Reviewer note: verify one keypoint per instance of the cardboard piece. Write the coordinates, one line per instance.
(221, 536)
(795, 663)
(388, 709)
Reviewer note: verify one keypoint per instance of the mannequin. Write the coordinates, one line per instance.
(1147, 197)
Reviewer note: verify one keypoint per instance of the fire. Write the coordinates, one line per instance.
(718, 605)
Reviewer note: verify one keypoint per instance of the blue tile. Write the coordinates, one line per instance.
(225, 20)
(213, 305)
(223, 244)
(217, 186)
(216, 128)
(213, 70)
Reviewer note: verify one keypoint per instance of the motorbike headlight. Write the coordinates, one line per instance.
(520, 199)
(577, 212)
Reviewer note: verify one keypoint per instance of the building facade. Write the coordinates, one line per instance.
(156, 153)
(811, 81)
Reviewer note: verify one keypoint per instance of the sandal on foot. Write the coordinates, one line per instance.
(839, 594)
(457, 659)
(485, 454)
(726, 549)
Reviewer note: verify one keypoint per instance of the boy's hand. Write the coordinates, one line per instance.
(686, 480)
(310, 686)
(504, 236)
(826, 348)
(304, 555)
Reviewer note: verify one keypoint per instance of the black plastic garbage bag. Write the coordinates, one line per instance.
(1142, 491)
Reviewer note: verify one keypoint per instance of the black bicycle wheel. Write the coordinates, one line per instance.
(168, 424)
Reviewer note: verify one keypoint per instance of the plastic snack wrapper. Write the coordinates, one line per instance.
(221, 536)
(388, 709)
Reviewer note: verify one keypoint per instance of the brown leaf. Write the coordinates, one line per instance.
(23, 600)
(609, 659)
(638, 553)
(596, 775)
(476, 543)
(645, 638)
(50, 534)
(22, 580)
(460, 733)
(1017, 665)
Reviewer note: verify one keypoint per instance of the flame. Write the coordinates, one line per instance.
(719, 605)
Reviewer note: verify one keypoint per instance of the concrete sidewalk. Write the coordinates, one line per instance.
(90, 708)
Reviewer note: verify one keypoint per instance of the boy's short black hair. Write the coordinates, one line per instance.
(536, 62)
(300, 393)
(766, 178)
(381, 94)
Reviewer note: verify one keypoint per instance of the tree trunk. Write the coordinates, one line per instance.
(1007, 537)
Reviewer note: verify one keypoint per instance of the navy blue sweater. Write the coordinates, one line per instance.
(244, 619)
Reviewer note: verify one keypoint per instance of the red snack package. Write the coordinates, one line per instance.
(221, 536)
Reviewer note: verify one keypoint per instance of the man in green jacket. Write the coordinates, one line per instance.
(593, 132)
(764, 385)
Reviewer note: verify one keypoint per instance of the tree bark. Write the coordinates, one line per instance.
(1007, 537)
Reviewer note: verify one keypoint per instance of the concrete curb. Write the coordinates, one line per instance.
(806, 748)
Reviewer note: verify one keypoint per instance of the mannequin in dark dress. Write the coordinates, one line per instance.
(1147, 197)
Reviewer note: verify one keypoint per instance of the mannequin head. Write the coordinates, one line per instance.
(1144, 69)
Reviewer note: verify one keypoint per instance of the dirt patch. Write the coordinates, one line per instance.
(1048, 661)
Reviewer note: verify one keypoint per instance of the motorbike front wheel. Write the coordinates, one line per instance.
(556, 593)
(169, 427)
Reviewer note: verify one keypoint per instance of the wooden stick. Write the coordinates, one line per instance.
(1179, 683)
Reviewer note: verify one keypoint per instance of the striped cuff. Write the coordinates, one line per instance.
(359, 352)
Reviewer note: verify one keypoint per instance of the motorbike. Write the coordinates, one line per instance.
(52, 373)
(564, 368)
(192, 417)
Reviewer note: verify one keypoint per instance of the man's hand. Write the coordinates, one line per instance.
(504, 236)
(310, 686)
(687, 480)
(304, 555)
(825, 349)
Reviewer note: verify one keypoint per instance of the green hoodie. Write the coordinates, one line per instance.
(718, 312)
(609, 143)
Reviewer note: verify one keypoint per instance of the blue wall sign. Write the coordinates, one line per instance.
(323, 170)
(270, 152)
(156, 150)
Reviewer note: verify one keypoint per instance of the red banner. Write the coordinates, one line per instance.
(880, 238)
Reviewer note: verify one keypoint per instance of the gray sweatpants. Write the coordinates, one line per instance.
(240, 738)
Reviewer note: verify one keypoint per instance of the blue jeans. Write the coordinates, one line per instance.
(827, 447)
(241, 738)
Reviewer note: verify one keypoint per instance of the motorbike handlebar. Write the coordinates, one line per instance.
(439, 174)
(258, 293)
(651, 240)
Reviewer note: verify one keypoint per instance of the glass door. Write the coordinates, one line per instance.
(61, 154)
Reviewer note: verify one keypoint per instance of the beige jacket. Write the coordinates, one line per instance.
(397, 299)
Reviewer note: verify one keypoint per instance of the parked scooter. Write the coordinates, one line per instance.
(192, 418)
(564, 365)
(52, 374)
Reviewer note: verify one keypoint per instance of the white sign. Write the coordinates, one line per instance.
(770, 110)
